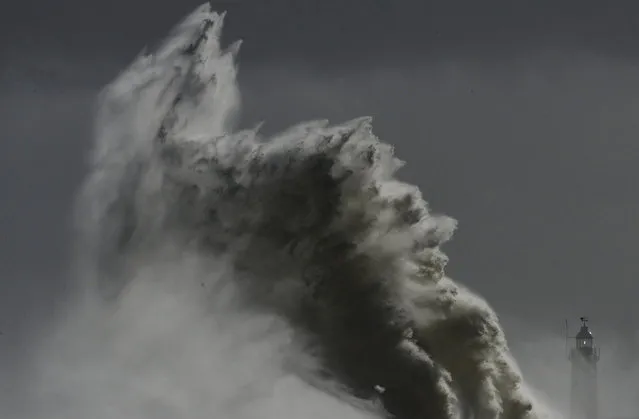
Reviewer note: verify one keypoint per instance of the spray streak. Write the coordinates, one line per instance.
(320, 268)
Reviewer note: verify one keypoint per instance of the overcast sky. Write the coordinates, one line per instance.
(519, 118)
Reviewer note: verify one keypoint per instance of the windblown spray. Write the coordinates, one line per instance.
(305, 246)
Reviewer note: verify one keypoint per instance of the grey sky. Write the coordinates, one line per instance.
(517, 118)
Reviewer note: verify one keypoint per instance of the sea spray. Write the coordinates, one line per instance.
(220, 265)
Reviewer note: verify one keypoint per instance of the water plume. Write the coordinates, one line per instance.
(230, 275)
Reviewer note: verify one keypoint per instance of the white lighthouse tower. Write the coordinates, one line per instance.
(584, 356)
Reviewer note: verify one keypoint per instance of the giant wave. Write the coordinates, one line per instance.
(228, 275)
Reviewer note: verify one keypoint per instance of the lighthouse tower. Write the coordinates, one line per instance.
(584, 356)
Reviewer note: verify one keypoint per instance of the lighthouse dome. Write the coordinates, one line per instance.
(585, 333)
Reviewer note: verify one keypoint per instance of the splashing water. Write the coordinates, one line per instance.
(227, 275)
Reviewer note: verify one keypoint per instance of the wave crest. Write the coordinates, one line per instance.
(311, 226)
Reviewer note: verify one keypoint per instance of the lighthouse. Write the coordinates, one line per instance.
(584, 356)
